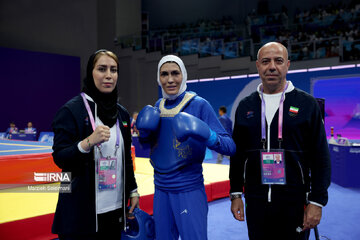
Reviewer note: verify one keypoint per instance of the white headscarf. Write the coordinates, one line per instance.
(179, 62)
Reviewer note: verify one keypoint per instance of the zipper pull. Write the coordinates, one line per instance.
(269, 194)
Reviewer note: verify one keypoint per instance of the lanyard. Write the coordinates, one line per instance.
(280, 123)
(93, 123)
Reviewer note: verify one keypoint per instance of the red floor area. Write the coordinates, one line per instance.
(37, 228)
(19, 169)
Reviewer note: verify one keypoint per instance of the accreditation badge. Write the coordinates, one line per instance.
(107, 173)
(273, 167)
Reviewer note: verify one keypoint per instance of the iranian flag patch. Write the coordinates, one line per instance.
(294, 109)
(124, 123)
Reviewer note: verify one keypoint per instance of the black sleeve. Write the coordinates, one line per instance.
(66, 154)
(320, 164)
(237, 161)
(129, 168)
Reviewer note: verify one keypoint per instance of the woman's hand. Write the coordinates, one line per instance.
(134, 202)
(100, 135)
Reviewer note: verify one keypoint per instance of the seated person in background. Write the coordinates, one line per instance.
(11, 129)
(30, 128)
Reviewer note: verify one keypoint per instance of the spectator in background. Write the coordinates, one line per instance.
(227, 124)
(12, 129)
(134, 131)
(30, 128)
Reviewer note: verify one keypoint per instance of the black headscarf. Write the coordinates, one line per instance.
(106, 102)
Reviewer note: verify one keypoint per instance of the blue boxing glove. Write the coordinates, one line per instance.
(148, 120)
(186, 125)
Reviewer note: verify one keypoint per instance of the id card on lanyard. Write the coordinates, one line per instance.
(107, 165)
(107, 172)
(273, 167)
(272, 160)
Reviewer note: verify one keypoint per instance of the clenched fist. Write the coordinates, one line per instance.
(100, 135)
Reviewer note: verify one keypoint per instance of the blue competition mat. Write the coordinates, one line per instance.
(13, 147)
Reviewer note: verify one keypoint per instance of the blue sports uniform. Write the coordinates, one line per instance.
(179, 128)
(180, 202)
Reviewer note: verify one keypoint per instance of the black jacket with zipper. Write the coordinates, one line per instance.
(76, 211)
(307, 158)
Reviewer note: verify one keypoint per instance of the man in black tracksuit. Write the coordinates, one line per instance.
(275, 203)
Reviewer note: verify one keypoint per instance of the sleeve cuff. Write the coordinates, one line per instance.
(81, 149)
(316, 204)
(236, 193)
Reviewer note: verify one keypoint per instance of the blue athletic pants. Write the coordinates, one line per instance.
(183, 213)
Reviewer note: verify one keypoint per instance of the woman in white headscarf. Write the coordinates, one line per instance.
(179, 128)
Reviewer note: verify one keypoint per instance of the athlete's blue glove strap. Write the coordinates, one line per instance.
(212, 139)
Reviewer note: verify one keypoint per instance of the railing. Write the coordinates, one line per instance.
(328, 47)
(212, 32)
(350, 50)
(209, 38)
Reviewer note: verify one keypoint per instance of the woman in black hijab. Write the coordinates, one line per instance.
(93, 142)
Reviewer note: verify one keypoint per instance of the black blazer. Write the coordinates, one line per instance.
(75, 211)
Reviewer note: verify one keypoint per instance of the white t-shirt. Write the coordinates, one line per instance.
(109, 199)
(272, 103)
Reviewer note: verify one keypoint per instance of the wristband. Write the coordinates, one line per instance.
(234, 196)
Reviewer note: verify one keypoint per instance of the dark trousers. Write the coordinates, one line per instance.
(274, 220)
(109, 227)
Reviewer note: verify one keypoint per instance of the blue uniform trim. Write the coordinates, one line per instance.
(212, 139)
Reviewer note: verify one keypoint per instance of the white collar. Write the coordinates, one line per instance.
(289, 88)
(89, 98)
